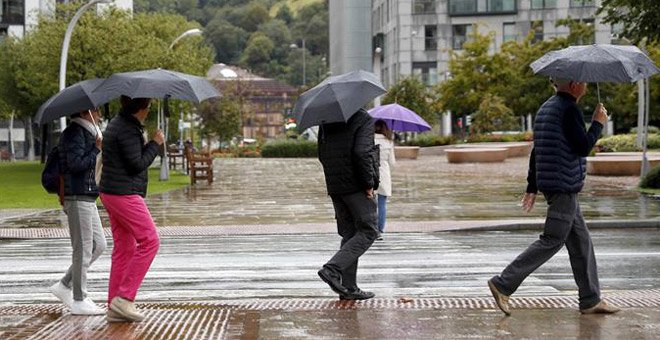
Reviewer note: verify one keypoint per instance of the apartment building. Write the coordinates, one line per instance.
(416, 36)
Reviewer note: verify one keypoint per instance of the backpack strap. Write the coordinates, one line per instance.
(60, 192)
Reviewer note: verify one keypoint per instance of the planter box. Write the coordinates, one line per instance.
(476, 155)
(409, 152)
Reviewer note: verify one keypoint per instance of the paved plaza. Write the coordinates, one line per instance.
(239, 258)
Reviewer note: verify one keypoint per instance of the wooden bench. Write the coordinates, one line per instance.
(476, 155)
(200, 166)
(176, 158)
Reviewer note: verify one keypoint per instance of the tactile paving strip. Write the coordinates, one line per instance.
(208, 320)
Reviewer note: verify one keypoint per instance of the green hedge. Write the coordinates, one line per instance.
(427, 139)
(625, 143)
(499, 138)
(289, 148)
(652, 179)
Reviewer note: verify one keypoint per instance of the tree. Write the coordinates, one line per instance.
(493, 115)
(257, 52)
(253, 15)
(284, 14)
(640, 18)
(221, 118)
(228, 40)
(413, 94)
(311, 24)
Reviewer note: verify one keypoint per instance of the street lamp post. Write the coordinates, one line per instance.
(304, 75)
(164, 165)
(65, 47)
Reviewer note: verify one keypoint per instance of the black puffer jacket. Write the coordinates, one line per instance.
(77, 148)
(126, 157)
(349, 157)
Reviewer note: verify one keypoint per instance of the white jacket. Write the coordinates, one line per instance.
(387, 160)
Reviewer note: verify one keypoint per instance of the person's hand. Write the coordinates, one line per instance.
(370, 192)
(159, 137)
(600, 114)
(528, 201)
(99, 142)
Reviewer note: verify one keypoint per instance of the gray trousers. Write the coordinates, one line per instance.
(87, 240)
(564, 225)
(357, 224)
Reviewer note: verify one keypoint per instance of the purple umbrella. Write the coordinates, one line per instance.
(400, 118)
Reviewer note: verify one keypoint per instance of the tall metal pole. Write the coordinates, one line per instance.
(303, 60)
(65, 47)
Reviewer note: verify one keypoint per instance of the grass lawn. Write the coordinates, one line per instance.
(21, 185)
(650, 191)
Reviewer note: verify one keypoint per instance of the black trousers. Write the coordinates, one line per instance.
(357, 224)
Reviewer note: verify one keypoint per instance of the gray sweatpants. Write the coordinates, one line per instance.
(87, 240)
(564, 225)
(357, 224)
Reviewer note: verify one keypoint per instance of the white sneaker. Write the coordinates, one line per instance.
(85, 308)
(63, 293)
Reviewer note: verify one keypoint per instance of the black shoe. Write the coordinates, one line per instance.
(333, 280)
(357, 294)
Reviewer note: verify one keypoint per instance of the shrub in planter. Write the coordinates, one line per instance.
(652, 179)
(428, 139)
(289, 148)
(500, 138)
(626, 143)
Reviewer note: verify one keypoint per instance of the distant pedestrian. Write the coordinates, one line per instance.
(78, 148)
(557, 168)
(384, 139)
(350, 163)
(126, 157)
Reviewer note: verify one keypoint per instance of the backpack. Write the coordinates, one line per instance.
(50, 176)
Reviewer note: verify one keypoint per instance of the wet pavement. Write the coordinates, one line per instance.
(238, 260)
(292, 191)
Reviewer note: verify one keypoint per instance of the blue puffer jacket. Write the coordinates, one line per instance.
(77, 148)
(558, 168)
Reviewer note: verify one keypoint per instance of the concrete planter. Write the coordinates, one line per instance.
(476, 155)
(409, 152)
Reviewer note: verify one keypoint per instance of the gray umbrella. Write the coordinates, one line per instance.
(73, 99)
(336, 98)
(157, 83)
(596, 63)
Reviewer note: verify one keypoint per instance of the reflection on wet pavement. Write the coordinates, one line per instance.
(281, 191)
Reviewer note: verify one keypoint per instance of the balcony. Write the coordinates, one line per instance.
(482, 7)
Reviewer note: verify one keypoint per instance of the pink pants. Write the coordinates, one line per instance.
(136, 243)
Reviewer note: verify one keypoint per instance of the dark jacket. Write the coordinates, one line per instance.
(77, 149)
(561, 144)
(126, 157)
(349, 157)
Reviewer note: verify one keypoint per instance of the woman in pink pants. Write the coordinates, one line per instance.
(126, 158)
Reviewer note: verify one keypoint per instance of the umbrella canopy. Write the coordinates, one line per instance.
(157, 83)
(73, 99)
(336, 98)
(596, 63)
(400, 118)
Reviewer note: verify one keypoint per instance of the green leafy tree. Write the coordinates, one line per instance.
(639, 18)
(257, 52)
(253, 15)
(228, 40)
(278, 32)
(413, 94)
(284, 14)
(311, 24)
(493, 115)
(221, 118)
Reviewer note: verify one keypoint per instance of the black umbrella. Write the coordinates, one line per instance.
(596, 63)
(336, 98)
(157, 83)
(73, 99)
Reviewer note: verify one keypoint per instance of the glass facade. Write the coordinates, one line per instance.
(481, 7)
(460, 35)
(509, 32)
(583, 3)
(430, 37)
(12, 12)
(423, 6)
(540, 4)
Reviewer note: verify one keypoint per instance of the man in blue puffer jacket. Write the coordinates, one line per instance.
(79, 148)
(557, 168)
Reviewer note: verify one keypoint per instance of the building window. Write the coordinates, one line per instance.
(484, 7)
(427, 72)
(583, 3)
(12, 12)
(617, 37)
(537, 28)
(509, 32)
(430, 37)
(460, 35)
(423, 6)
(540, 4)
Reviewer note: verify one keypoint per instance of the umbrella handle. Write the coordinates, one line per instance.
(598, 92)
